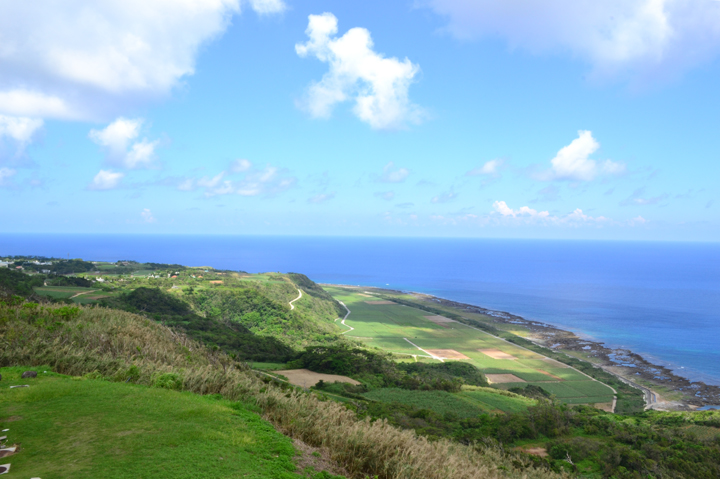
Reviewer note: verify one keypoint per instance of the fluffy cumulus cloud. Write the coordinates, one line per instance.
(525, 214)
(502, 208)
(247, 181)
(119, 141)
(18, 131)
(393, 174)
(90, 60)
(377, 85)
(106, 180)
(573, 163)
(650, 38)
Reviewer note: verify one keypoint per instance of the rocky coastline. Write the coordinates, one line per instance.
(623, 363)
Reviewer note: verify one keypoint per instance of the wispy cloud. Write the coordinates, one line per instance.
(638, 198)
(106, 180)
(489, 168)
(393, 174)
(386, 195)
(444, 197)
(250, 181)
(321, 198)
(147, 216)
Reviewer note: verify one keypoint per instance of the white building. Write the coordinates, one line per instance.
(4, 264)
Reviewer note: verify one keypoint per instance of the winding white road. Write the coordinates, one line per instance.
(343, 320)
(292, 306)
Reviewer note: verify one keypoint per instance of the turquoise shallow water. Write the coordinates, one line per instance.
(658, 299)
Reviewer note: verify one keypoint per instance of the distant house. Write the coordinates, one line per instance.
(18, 267)
(3, 264)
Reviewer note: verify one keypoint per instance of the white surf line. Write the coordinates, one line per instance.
(442, 360)
(292, 306)
(343, 320)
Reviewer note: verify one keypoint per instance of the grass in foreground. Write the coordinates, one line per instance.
(90, 428)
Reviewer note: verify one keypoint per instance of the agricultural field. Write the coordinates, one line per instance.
(76, 294)
(417, 334)
(466, 404)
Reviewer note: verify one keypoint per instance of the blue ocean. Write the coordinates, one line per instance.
(659, 299)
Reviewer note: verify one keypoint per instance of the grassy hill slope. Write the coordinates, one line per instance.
(74, 427)
(124, 347)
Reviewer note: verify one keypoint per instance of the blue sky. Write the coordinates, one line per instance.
(407, 118)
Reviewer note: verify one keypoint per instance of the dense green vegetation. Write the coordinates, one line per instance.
(14, 282)
(188, 435)
(126, 348)
(377, 370)
(233, 337)
(71, 266)
(248, 318)
(314, 289)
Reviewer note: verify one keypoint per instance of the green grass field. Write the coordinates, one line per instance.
(88, 296)
(391, 326)
(464, 404)
(69, 428)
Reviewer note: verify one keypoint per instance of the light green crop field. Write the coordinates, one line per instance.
(61, 292)
(464, 404)
(92, 428)
(393, 327)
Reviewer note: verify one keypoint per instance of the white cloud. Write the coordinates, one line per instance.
(19, 130)
(444, 198)
(391, 174)
(118, 140)
(264, 7)
(240, 165)
(573, 161)
(5, 175)
(526, 214)
(321, 198)
(491, 167)
(268, 181)
(650, 38)
(91, 60)
(638, 220)
(378, 85)
(638, 198)
(106, 180)
(147, 216)
(386, 195)
(502, 208)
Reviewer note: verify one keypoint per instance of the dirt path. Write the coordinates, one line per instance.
(83, 292)
(292, 306)
(424, 351)
(343, 320)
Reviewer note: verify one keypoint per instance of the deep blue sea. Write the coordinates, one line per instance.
(659, 299)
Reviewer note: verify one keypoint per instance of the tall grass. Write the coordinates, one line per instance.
(125, 347)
